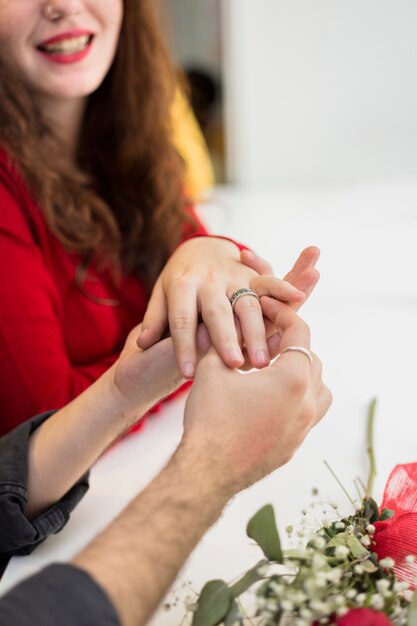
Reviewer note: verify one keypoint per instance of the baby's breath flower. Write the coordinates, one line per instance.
(272, 605)
(276, 587)
(299, 597)
(383, 586)
(319, 542)
(366, 540)
(387, 563)
(351, 593)
(334, 575)
(289, 530)
(341, 552)
(360, 598)
(340, 525)
(358, 569)
(370, 529)
(401, 586)
(349, 529)
(341, 611)
(287, 605)
(377, 602)
(306, 613)
(320, 608)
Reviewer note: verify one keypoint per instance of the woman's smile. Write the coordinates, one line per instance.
(68, 47)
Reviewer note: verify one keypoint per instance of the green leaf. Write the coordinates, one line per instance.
(356, 548)
(232, 616)
(386, 514)
(412, 612)
(213, 604)
(263, 529)
(341, 539)
(371, 511)
(247, 580)
(368, 566)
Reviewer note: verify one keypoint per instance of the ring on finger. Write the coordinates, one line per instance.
(300, 349)
(240, 293)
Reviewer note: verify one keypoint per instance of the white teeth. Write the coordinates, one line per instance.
(68, 46)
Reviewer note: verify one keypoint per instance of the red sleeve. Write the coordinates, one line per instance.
(35, 371)
(190, 232)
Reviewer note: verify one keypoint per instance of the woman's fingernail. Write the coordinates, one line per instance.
(262, 357)
(188, 369)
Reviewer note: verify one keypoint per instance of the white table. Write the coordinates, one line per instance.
(363, 319)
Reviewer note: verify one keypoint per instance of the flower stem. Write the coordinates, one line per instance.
(370, 448)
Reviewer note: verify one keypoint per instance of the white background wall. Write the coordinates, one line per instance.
(320, 91)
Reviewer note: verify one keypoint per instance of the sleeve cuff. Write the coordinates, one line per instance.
(241, 246)
(18, 534)
(60, 594)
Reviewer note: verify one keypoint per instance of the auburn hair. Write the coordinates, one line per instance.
(122, 199)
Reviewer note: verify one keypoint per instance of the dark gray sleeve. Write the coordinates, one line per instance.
(18, 535)
(59, 595)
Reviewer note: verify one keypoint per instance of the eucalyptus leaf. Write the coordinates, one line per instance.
(341, 539)
(247, 580)
(356, 548)
(263, 529)
(232, 616)
(368, 566)
(412, 611)
(213, 604)
(371, 510)
(386, 514)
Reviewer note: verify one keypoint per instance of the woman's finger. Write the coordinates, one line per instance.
(182, 318)
(255, 262)
(277, 288)
(249, 312)
(155, 320)
(291, 328)
(217, 315)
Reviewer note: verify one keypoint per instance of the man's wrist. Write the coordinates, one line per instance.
(200, 474)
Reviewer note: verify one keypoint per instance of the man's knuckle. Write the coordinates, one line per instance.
(298, 383)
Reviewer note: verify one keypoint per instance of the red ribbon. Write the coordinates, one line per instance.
(397, 536)
(363, 617)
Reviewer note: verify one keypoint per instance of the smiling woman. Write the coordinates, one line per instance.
(92, 206)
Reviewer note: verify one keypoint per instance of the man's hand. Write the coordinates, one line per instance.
(247, 425)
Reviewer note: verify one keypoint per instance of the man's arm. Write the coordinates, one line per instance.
(237, 429)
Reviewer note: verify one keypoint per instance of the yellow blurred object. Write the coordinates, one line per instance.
(191, 145)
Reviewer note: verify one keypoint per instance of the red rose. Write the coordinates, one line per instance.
(363, 617)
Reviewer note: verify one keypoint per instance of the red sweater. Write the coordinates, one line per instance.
(54, 341)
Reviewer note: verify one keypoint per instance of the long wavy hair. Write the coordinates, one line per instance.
(123, 196)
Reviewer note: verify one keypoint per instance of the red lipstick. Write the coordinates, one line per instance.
(50, 49)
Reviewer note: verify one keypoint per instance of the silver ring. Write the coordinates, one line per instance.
(240, 293)
(300, 349)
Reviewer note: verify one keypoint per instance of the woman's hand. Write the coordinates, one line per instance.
(199, 279)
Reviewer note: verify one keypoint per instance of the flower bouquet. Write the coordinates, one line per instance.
(359, 570)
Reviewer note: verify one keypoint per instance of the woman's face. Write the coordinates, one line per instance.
(64, 53)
